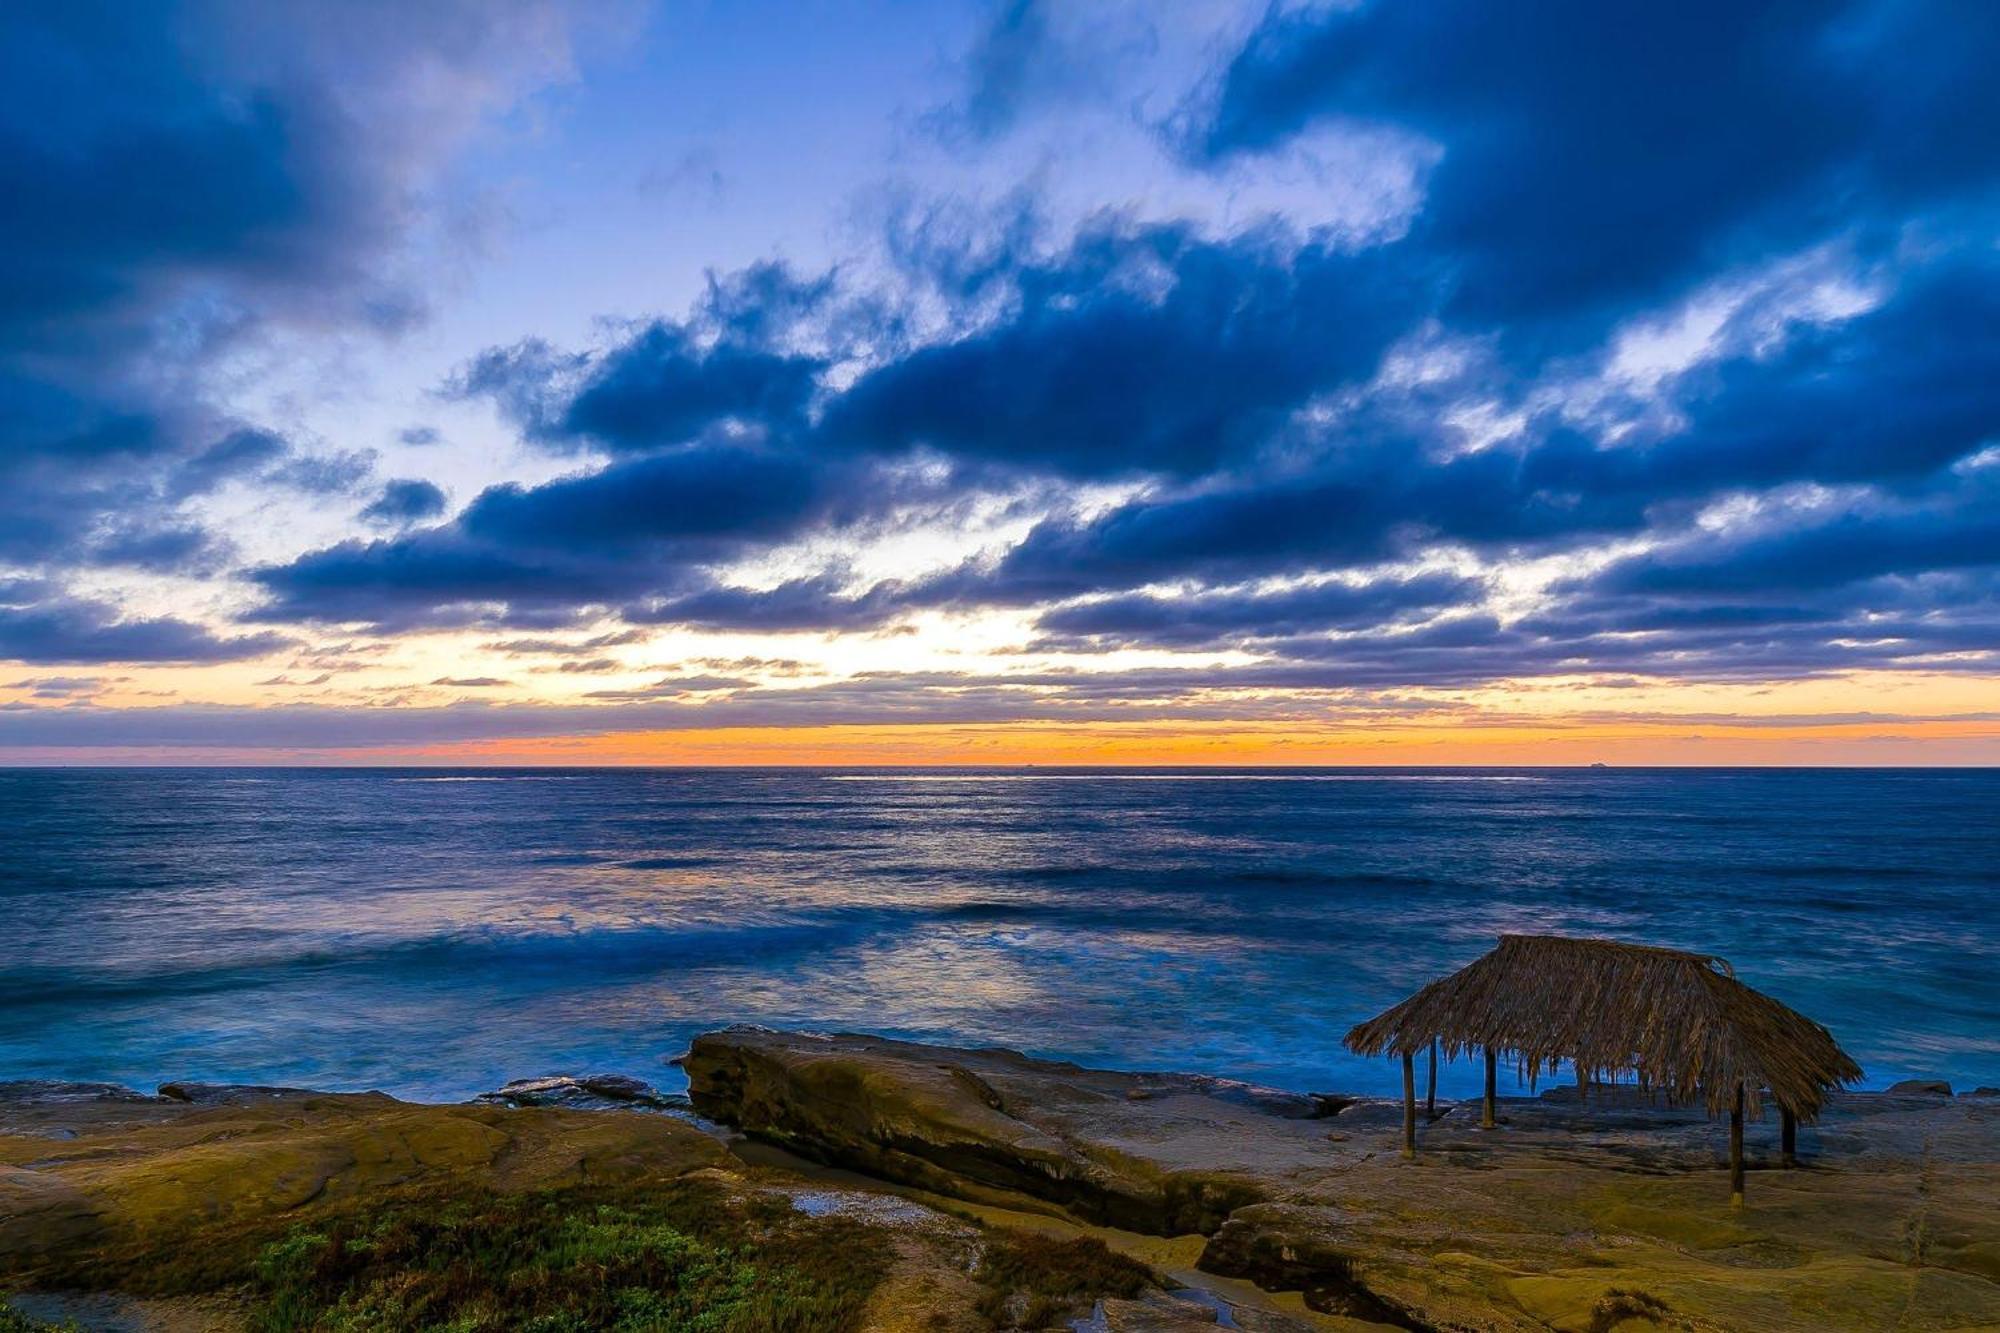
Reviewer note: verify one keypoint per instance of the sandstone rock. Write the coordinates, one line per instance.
(993, 1125)
(1929, 1087)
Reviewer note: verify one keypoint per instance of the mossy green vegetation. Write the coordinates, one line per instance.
(672, 1259)
(558, 1262)
(665, 1258)
(675, 1256)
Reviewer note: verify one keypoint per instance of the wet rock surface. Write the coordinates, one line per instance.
(54, 1092)
(587, 1092)
(1595, 1212)
(232, 1094)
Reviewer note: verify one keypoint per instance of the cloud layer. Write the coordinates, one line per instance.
(1683, 364)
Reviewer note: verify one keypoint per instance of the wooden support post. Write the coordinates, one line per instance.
(1736, 1150)
(1486, 1120)
(1431, 1090)
(1409, 1106)
(1788, 1135)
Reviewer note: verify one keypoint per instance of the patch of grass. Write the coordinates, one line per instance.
(1030, 1280)
(680, 1258)
(676, 1257)
(13, 1321)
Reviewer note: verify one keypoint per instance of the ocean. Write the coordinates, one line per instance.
(434, 933)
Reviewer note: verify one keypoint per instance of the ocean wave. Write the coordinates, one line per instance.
(1000, 911)
(461, 954)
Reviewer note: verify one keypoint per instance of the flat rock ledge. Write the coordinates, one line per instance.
(1599, 1213)
(85, 1166)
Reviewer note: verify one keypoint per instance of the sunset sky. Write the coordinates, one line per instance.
(1219, 382)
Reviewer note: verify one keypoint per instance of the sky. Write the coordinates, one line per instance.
(519, 381)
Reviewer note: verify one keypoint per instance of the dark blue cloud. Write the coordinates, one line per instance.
(1891, 398)
(165, 548)
(1856, 543)
(1131, 351)
(435, 577)
(1888, 397)
(406, 501)
(646, 527)
(710, 497)
(661, 389)
(670, 382)
(144, 172)
(1599, 158)
(242, 452)
(51, 630)
(1146, 352)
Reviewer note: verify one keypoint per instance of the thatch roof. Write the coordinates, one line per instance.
(1680, 1023)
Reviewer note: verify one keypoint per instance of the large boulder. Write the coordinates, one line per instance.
(1168, 1154)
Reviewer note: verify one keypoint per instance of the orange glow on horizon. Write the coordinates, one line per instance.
(1238, 744)
(1871, 719)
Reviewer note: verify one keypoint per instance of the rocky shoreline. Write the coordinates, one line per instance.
(1223, 1204)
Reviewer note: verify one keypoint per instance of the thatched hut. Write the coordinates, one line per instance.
(1677, 1024)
